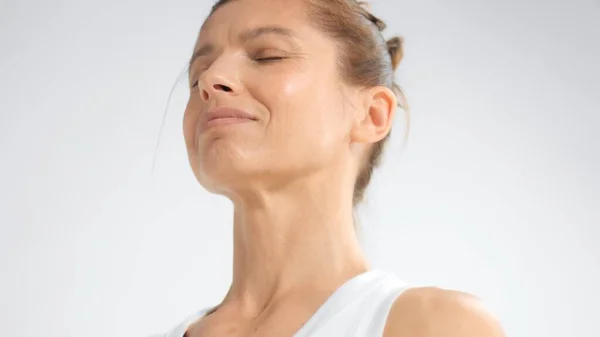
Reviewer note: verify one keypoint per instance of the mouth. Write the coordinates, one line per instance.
(225, 116)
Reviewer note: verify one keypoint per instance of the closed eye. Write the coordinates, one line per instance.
(258, 60)
(268, 59)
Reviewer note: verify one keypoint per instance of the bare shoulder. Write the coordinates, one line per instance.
(436, 312)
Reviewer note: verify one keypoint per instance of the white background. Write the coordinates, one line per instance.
(496, 194)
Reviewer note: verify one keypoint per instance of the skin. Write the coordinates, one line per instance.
(290, 174)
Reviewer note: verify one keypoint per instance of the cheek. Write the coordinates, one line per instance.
(190, 121)
(313, 103)
(307, 113)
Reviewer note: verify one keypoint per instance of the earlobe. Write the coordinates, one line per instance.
(379, 112)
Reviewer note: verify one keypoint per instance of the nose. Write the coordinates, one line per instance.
(219, 81)
(206, 93)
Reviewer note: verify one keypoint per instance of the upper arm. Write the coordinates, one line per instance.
(434, 312)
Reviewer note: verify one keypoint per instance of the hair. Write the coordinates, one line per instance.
(366, 59)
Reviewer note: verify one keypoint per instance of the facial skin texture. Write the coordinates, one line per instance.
(289, 173)
(290, 83)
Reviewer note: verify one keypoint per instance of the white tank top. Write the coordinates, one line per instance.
(358, 308)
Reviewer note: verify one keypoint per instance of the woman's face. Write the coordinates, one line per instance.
(264, 58)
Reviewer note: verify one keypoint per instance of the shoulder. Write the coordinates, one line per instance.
(436, 312)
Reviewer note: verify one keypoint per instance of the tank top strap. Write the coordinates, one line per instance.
(357, 309)
(378, 307)
(180, 329)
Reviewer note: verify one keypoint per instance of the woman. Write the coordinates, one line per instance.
(290, 104)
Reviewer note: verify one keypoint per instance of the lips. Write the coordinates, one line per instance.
(225, 116)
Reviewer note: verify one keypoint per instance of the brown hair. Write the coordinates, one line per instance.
(367, 59)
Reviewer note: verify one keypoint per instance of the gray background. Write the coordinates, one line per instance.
(496, 194)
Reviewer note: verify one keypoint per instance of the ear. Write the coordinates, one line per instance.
(375, 116)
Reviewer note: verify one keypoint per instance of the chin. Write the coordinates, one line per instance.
(224, 173)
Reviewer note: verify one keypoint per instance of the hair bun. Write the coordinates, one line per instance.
(395, 48)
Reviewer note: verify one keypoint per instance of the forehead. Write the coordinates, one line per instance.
(237, 15)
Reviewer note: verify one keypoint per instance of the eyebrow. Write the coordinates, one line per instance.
(245, 37)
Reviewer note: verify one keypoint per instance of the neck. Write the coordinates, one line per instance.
(297, 237)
